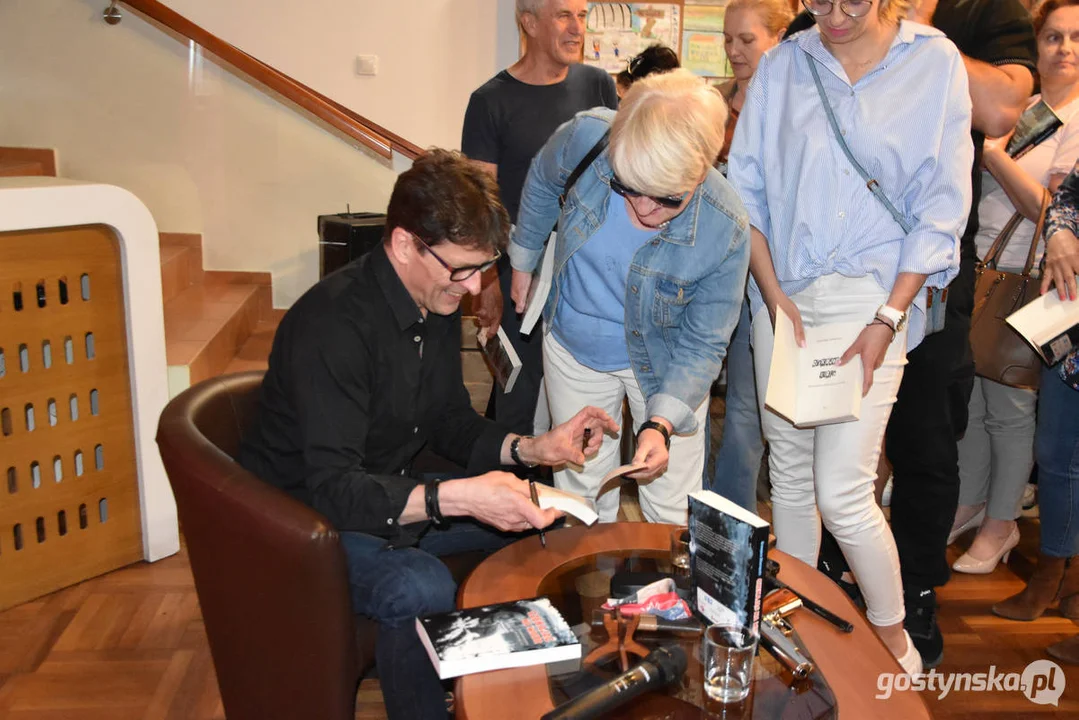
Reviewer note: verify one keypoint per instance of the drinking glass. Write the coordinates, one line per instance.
(728, 661)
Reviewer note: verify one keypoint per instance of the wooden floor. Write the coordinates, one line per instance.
(131, 645)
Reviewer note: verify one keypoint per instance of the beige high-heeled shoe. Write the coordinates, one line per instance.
(974, 566)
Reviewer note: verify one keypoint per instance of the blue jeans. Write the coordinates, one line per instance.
(1056, 448)
(395, 585)
(738, 461)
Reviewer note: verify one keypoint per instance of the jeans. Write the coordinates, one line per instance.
(738, 460)
(929, 416)
(832, 468)
(1056, 446)
(395, 585)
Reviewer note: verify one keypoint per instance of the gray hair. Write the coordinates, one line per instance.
(668, 132)
(532, 7)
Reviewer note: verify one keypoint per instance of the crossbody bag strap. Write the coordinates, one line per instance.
(585, 163)
(873, 185)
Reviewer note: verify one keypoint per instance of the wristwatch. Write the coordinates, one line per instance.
(653, 425)
(515, 451)
(896, 318)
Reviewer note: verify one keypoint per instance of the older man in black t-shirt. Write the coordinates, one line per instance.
(508, 120)
(996, 38)
(365, 372)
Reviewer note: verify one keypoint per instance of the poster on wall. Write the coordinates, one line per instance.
(702, 40)
(615, 32)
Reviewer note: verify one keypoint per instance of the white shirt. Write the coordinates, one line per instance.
(1055, 155)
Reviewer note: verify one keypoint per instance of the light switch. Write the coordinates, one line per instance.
(367, 64)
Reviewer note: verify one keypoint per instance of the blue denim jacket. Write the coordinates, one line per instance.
(685, 287)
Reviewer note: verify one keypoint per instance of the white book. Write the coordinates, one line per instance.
(570, 503)
(502, 360)
(808, 386)
(1049, 324)
(540, 288)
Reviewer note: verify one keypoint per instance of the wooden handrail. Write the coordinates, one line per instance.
(373, 136)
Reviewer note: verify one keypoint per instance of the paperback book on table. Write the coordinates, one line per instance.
(727, 549)
(1049, 324)
(807, 385)
(511, 634)
(1037, 123)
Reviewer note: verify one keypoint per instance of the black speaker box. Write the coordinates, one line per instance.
(344, 237)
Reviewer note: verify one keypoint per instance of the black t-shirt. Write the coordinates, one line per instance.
(508, 121)
(997, 32)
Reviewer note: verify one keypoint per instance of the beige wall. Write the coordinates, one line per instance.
(132, 106)
(432, 53)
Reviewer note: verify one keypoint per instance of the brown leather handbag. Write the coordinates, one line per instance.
(1000, 353)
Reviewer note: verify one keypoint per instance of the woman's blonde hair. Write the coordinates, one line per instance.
(775, 15)
(892, 11)
(667, 133)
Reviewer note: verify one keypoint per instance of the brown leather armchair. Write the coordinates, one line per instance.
(269, 571)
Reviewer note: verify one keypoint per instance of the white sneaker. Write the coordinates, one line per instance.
(912, 659)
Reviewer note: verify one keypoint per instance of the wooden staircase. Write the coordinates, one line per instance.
(215, 321)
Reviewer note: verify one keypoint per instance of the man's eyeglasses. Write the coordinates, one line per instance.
(673, 201)
(460, 274)
(850, 8)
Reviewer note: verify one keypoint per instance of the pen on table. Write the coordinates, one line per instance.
(815, 608)
(535, 499)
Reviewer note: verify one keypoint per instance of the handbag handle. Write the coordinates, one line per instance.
(585, 163)
(1009, 229)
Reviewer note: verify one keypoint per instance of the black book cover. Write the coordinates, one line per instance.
(1055, 350)
(727, 548)
(512, 634)
(1037, 124)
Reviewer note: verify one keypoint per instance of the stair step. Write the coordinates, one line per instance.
(255, 353)
(205, 326)
(21, 169)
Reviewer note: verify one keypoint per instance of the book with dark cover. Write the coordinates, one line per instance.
(727, 548)
(1037, 124)
(1049, 324)
(512, 634)
(502, 359)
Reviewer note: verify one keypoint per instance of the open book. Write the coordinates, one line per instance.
(502, 359)
(570, 503)
(1037, 123)
(808, 386)
(1049, 324)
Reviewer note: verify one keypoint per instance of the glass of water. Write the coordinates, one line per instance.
(728, 661)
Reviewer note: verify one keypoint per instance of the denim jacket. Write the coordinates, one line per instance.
(685, 287)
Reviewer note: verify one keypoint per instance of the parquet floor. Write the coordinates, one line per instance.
(131, 645)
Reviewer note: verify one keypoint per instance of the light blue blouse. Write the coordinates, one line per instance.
(908, 124)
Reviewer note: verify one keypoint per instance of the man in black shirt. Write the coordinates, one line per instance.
(508, 120)
(365, 372)
(996, 38)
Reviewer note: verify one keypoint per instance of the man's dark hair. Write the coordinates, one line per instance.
(654, 58)
(444, 197)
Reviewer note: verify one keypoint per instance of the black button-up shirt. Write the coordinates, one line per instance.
(358, 383)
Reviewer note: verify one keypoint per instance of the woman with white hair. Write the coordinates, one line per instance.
(852, 155)
(649, 269)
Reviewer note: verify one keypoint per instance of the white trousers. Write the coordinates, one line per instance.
(571, 386)
(832, 468)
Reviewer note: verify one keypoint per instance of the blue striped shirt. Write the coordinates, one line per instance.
(907, 122)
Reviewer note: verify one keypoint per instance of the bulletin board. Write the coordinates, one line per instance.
(616, 31)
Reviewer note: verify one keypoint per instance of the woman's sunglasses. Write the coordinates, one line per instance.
(673, 202)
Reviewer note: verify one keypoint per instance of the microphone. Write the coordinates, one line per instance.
(663, 666)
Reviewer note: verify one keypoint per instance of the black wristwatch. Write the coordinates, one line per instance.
(653, 425)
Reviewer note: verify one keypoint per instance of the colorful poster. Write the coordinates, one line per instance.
(703, 53)
(704, 17)
(617, 31)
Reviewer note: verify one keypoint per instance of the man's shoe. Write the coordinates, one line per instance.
(921, 625)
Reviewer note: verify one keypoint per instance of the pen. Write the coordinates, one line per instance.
(587, 437)
(814, 607)
(535, 499)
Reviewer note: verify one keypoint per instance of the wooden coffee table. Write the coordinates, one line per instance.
(850, 663)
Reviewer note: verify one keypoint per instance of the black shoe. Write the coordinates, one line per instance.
(832, 563)
(921, 625)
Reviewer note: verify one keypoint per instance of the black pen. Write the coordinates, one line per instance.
(814, 607)
(535, 499)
